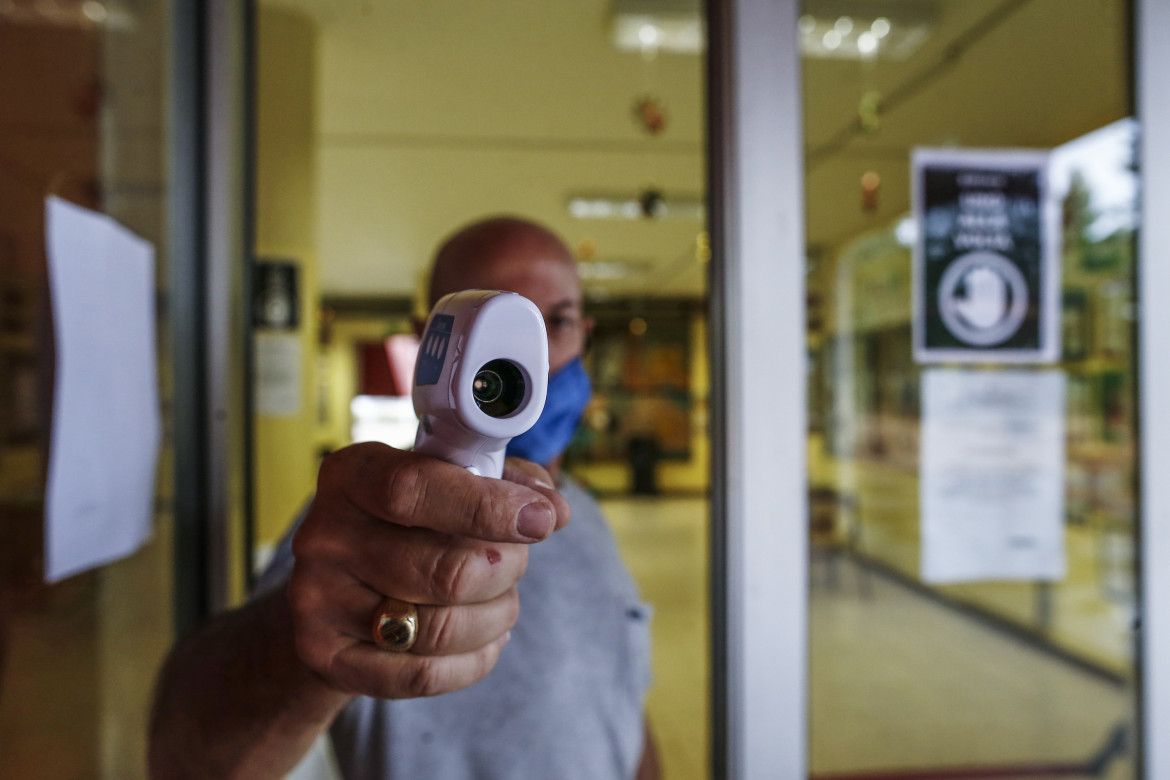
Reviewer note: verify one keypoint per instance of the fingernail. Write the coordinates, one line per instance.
(544, 485)
(534, 521)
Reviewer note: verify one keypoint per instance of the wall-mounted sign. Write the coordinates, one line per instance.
(275, 299)
(987, 258)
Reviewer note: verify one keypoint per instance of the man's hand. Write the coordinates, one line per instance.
(390, 523)
(246, 694)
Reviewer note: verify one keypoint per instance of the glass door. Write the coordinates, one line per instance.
(85, 97)
(971, 180)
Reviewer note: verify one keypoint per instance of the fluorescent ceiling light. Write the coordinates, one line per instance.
(635, 207)
(612, 270)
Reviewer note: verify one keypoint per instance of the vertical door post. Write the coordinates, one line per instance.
(759, 531)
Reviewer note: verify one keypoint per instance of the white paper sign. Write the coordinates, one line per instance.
(992, 475)
(99, 499)
(278, 373)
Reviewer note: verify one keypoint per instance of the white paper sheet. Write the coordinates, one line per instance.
(992, 475)
(278, 374)
(100, 496)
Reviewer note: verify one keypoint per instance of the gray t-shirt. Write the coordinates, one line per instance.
(565, 699)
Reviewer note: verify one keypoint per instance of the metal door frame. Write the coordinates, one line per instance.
(759, 571)
(1151, 29)
(759, 535)
(209, 236)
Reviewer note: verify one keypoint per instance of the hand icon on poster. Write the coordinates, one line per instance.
(983, 298)
(986, 301)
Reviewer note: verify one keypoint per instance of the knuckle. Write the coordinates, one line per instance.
(313, 654)
(331, 471)
(405, 492)
(426, 679)
(316, 540)
(301, 596)
(304, 541)
(451, 576)
(441, 630)
(485, 661)
(485, 508)
(512, 611)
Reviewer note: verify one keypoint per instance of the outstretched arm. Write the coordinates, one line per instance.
(247, 695)
(235, 700)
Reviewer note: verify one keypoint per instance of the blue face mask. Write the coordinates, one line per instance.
(569, 392)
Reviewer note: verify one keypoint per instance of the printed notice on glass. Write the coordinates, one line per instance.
(99, 501)
(992, 475)
(987, 257)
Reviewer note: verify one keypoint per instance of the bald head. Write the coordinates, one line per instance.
(484, 254)
(516, 255)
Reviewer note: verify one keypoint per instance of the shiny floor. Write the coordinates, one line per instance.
(900, 684)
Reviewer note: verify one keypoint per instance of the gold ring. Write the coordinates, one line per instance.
(395, 625)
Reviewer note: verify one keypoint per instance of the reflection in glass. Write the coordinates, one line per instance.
(85, 102)
(988, 674)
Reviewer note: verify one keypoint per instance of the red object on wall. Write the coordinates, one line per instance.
(374, 376)
(402, 352)
(387, 367)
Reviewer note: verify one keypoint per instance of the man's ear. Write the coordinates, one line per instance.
(588, 324)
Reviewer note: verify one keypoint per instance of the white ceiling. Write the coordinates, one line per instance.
(431, 114)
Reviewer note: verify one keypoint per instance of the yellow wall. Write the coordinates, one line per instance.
(285, 469)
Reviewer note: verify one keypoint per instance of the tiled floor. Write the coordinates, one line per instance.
(664, 542)
(897, 680)
(900, 681)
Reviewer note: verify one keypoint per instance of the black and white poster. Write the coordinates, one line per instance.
(987, 258)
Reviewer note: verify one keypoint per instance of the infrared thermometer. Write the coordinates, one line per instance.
(480, 378)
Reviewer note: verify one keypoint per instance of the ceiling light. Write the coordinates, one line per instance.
(635, 207)
(648, 35)
(672, 26)
(613, 270)
(848, 29)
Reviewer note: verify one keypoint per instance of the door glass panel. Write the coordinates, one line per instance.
(972, 609)
(556, 112)
(84, 93)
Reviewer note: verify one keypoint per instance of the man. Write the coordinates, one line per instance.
(247, 695)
